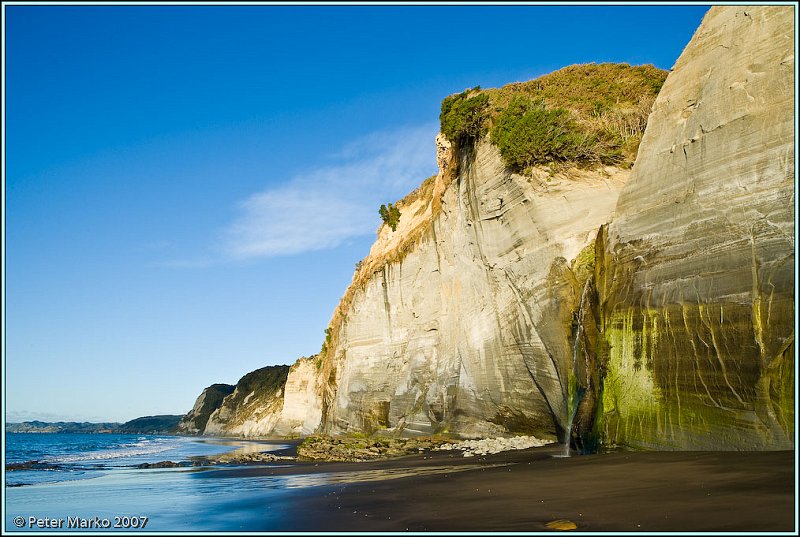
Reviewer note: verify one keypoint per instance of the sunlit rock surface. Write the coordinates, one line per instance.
(209, 400)
(253, 409)
(697, 268)
(468, 331)
(302, 408)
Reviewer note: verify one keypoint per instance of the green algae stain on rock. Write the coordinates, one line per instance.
(694, 273)
(781, 388)
(678, 379)
(631, 397)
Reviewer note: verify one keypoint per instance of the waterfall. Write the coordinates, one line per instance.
(573, 392)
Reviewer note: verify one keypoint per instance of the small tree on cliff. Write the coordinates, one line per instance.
(463, 116)
(390, 215)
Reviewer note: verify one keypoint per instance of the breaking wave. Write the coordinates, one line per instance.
(141, 447)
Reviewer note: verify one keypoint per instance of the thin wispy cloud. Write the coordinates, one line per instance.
(186, 263)
(326, 205)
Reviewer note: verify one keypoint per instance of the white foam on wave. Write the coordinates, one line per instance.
(142, 447)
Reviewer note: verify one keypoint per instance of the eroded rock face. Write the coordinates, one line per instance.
(254, 406)
(209, 400)
(272, 401)
(468, 333)
(301, 412)
(696, 271)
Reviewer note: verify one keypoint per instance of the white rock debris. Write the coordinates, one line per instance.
(487, 446)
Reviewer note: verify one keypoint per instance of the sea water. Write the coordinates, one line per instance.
(38, 458)
(77, 479)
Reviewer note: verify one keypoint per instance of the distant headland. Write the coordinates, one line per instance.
(161, 424)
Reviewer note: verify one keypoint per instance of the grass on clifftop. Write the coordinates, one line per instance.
(582, 114)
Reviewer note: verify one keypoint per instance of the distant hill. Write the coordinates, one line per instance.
(163, 424)
(60, 427)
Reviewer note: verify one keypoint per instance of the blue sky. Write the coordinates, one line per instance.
(188, 188)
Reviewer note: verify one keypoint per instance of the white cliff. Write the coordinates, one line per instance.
(697, 274)
(465, 332)
(656, 306)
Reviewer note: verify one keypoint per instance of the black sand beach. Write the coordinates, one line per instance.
(524, 490)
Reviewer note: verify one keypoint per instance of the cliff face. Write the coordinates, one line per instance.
(674, 332)
(209, 400)
(651, 308)
(468, 332)
(253, 408)
(301, 409)
(696, 271)
(271, 401)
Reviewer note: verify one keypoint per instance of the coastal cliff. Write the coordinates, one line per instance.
(696, 271)
(160, 424)
(551, 289)
(209, 400)
(253, 406)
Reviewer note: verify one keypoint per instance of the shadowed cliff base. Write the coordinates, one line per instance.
(526, 490)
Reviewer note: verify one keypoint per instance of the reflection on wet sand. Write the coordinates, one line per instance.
(363, 476)
(244, 452)
(246, 447)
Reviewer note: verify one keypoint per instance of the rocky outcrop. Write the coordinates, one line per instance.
(272, 401)
(253, 408)
(210, 400)
(696, 272)
(362, 449)
(489, 446)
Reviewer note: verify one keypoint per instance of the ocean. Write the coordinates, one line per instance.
(39, 458)
(92, 482)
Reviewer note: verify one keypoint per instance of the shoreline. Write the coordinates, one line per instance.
(514, 490)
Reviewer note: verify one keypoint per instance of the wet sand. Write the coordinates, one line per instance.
(524, 490)
(439, 491)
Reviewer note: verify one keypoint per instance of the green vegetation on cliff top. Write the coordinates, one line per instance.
(262, 382)
(582, 114)
(463, 116)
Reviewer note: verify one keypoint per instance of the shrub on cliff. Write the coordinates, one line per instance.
(463, 117)
(390, 215)
(581, 114)
(596, 114)
(527, 133)
(326, 343)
